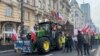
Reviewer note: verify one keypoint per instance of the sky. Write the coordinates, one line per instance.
(95, 10)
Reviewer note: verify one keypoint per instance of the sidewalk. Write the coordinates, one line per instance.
(6, 51)
(97, 53)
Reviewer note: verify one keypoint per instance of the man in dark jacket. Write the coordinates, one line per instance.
(86, 44)
(68, 43)
(80, 39)
(28, 36)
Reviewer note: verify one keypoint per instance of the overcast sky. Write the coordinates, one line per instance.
(95, 10)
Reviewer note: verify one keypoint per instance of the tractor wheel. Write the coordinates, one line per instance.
(59, 43)
(43, 45)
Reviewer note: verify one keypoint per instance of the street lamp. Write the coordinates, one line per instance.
(22, 20)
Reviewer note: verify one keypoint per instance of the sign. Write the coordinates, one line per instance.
(26, 46)
(18, 44)
(75, 32)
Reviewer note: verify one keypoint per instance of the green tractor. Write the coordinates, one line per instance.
(48, 36)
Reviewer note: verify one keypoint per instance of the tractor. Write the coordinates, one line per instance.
(48, 36)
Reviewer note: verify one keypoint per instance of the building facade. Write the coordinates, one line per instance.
(86, 10)
(35, 11)
(85, 7)
(77, 17)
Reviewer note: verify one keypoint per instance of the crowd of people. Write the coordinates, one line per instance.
(82, 43)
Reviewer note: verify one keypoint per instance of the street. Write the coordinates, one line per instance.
(93, 52)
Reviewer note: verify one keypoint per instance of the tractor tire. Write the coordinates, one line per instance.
(43, 45)
(59, 44)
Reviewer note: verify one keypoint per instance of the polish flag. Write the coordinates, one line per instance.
(14, 36)
(88, 30)
(92, 31)
(33, 35)
(85, 29)
(59, 16)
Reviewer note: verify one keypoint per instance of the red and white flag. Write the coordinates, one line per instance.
(14, 36)
(33, 35)
(59, 16)
(88, 30)
(85, 29)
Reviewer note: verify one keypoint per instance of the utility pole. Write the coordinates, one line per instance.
(22, 20)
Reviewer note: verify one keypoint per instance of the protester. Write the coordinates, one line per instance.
(74, 38)
(69, 43)
(92, 41)
(86, 44)
(28, 36)
(80, 43)
(63, 41)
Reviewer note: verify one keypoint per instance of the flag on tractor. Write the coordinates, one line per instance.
(33, 35)
(59, 16)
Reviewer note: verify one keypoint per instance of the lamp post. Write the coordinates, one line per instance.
(22, 20)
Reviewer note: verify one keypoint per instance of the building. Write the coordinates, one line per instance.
(77, 17)
(35, 11)
(86, 10)
(85, 7)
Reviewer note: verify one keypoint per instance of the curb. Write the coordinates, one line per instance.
(6, 51)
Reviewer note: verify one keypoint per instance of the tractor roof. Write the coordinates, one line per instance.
(45, 23)
(48, 23)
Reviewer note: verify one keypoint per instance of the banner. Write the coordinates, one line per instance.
(27, 46)
(75, 32)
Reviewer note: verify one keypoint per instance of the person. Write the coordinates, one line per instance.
(80, 43)
(63, 41)
(96, 39)
(74, 38)
(99, 39)
(69, 43)
(86, 44)
(92, 41)
(28, 36)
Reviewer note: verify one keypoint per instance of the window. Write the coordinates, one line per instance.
(31, 2)
(41, 4)
(34, 2)
(28, 1)
(9, 1)
(44, 4)
(25, 1)
(9, 11)
(9, 27)
(27, 15)
(54, 2)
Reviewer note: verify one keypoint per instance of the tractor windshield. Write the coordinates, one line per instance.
(43, 29)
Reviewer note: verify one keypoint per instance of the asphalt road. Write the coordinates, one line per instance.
(93, 52)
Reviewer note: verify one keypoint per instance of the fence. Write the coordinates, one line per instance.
(6, 47)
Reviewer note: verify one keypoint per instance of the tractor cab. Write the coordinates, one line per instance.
(47, 29)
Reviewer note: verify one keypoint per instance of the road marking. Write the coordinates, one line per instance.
(49, 55)
(98, 54)
(92, 50)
